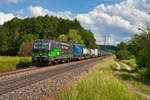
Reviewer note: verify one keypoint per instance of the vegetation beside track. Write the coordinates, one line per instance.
(100, 84)
(134, 77)
(130, 62)
(8, 63)
(137, 48)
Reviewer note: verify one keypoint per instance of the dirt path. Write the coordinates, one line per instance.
(127, 67)
(138, 91)
(132, 87)
(118, 66)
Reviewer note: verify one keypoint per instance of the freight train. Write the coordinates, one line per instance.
(47, 52)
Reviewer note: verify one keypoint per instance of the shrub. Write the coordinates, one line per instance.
(26, 49)
(124, 55)
(24, 63)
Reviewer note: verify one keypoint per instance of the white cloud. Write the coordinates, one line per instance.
(119, 20)
(5, 17)
(39, 11)
(14, 1)
(11, 1)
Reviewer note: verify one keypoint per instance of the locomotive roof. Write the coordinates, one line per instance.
(48, 40)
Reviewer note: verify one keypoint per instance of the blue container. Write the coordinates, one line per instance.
(77, 50)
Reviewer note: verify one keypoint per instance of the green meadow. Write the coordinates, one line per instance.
(8, 63)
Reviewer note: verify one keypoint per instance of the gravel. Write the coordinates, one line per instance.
(42, 89)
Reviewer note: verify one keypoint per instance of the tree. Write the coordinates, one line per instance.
(63, 38)
(73, 37)
(3, 41)
(88, 38)
(121, 46)
(16, 31)
(26, 48)
(28, 37)
(140, 47)
(122, 52)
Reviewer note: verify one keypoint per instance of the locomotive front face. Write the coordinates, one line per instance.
(41, 51)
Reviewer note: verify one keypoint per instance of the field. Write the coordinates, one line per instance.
(100, 84)
(8, 63)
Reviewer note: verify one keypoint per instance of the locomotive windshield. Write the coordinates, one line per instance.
(41, 45)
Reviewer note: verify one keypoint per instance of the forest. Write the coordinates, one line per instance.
(17, 35)
(137, 48)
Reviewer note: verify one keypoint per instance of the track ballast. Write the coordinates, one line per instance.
(11, 85)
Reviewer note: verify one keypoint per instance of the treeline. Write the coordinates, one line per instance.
(108, 48)
(16, 32)
(139, 48)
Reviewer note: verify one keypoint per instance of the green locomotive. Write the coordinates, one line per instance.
(46, 52)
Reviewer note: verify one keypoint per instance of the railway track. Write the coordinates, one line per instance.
(13, 84)
(2, 74)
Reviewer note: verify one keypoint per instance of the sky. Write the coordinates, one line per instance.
(117, 20)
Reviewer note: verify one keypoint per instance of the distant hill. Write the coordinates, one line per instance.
(109, 48)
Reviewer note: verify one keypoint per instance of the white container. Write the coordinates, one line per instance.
(92, 52)
(86, 52)
(96, 52)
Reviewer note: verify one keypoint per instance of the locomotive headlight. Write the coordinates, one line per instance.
(40, 54)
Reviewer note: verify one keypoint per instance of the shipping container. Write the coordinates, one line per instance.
(99, 52)
(86, 52)
(77, 50)
(96, 52)
(92, 52)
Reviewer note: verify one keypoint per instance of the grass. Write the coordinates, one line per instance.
(8, 63)
(100, 84)
(133, 77)
(130, 62)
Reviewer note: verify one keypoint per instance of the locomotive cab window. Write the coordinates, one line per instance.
(45, 45)
(41, 45)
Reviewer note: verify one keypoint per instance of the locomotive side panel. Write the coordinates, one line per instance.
(60, 50)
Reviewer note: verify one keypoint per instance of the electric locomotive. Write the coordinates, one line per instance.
(46, 52)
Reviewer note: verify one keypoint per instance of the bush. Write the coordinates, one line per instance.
(26, 49)
(131, 63)
(24, 63)
(8, 63)
(124, 55)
